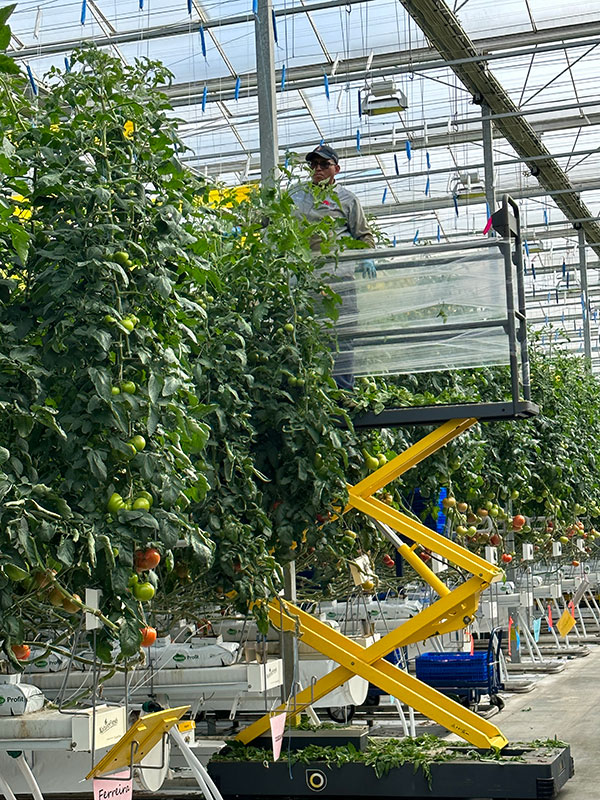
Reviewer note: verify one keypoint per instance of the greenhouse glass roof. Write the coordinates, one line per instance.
(419, 171)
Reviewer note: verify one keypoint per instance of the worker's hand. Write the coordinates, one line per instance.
(367, 268)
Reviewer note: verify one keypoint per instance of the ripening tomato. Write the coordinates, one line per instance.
(148, 636)
(21, 651)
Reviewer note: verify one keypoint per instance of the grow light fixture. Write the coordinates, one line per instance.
(382, 97)
(468, 185)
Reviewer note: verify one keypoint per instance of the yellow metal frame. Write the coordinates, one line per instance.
(138, 741)
(452, 611)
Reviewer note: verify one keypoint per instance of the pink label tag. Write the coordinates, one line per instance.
(113, 789)
(488, 226)
(277, 728)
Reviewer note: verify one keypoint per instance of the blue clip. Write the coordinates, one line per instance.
(557, 296)
(408, 150)
(283, 71)
(384, 196)
(427, 159)
(455, 201)
(416, 236)
(568, 278)
(545, 217)
(359, 105)
(67, 65)
(83, 11)
(204, 96)
(526, 246)
(326, 84)
(202, 40)
(287, 161)
(321, 141)
(533, 270)
(427, 185)
(396, 164)
(34, 88)
(357, 140)
(439, 234)
(394, 241)
(238, 85)
(189, 7)
(564, 268)
(274, 18)
(543, 337)
(141, 4)
(255, 7)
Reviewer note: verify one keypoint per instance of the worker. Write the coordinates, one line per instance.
(324, 198)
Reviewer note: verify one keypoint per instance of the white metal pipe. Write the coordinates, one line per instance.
(30, 779)
(199, 771)
(6, 790)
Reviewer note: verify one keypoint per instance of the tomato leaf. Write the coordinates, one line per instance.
(130, 637)
(97, 464)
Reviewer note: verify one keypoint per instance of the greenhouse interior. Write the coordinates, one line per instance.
(300, 394)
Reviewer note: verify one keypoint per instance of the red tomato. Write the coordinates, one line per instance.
(146, 559)
(21, 651)
(518, 521)
(507, 558)
(148, 636)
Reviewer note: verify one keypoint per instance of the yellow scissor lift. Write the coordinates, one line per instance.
(455, 608)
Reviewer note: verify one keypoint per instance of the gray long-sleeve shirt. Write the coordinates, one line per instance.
(352, 220)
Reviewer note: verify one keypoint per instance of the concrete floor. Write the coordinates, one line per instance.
(563, 705)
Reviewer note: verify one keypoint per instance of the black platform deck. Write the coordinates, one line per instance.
(434, 415)
(535, 773)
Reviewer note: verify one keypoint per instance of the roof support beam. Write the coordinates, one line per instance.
(445, 32)
(391, 63)
(177, 29)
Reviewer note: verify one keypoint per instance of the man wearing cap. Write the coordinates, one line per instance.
(340, 204)
(326, 199)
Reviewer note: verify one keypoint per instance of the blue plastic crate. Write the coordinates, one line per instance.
(448, 670)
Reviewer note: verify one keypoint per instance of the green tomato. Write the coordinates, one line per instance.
(288, 327)
(133, 579)
(131, 451)
(109, 319)
(128, 324)
(147, 496)
(138, 442)
(121, 257)
(143, 591)
(115, 390)
(141, 504)
(128, 387)
(115, 503)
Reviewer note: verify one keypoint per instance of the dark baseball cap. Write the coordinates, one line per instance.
(324, 151)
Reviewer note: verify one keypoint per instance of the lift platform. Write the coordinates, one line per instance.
(455, 608)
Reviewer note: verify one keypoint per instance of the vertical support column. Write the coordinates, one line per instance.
(488, 160)
(585, 304)
(267, 102)
(290, 642)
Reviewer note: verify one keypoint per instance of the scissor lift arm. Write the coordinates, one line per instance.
(452, 611)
